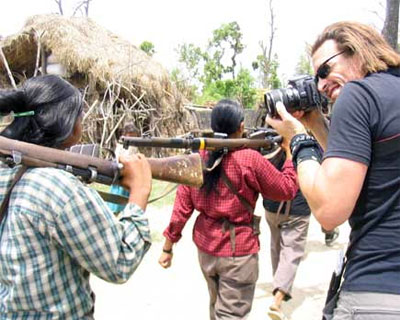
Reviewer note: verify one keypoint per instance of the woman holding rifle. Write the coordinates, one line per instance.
(226, 230)
(55, 231)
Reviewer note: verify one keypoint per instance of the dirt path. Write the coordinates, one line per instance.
(180, 293)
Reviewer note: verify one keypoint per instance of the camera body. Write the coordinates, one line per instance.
(300, 95)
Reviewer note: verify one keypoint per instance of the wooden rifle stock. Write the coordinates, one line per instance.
(184, 169)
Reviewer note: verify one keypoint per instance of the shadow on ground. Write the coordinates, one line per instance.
(299, 295)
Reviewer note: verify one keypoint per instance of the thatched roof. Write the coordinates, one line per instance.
(95, 58)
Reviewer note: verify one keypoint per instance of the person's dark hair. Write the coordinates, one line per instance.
(56, 105)
(226, 117)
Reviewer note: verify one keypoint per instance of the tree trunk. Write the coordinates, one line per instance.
(391, 25)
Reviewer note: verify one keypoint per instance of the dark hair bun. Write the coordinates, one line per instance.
(12, 100)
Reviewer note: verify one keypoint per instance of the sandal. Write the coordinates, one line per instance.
(275, 314)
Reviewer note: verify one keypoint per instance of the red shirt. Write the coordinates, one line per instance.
(251, 174)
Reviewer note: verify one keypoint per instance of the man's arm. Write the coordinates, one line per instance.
(332, 188)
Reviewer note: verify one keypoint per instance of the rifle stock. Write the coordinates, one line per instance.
(184, 169)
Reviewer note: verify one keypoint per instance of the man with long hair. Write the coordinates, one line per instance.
(359, 177)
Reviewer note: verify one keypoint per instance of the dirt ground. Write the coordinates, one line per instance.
(180, 293)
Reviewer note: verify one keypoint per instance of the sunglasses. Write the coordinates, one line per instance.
(325, 69)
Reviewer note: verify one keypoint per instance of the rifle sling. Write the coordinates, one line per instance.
(227, 225)
(230, 186)
(6, 200)
(123, 200)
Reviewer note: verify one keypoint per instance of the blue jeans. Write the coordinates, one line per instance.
(367, 306)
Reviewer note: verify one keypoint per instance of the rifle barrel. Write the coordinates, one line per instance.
(201, 143)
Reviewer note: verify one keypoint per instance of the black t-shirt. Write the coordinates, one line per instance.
(365, 127)
(298, 207)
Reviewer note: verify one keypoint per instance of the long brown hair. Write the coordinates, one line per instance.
(355, 38)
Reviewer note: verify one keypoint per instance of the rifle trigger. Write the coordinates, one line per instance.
(117, 169)
(17, 157)
(93, 174)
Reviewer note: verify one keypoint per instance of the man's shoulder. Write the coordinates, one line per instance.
(379, 81)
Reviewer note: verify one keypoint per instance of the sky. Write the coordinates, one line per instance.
(170, 23)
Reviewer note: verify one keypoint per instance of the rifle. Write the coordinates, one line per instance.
(261, 140)
(183, 169)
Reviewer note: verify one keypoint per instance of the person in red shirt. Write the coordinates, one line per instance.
(226, 231)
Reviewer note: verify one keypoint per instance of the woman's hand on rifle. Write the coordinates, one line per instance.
(136, 177)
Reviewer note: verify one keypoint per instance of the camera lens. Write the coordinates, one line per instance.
(301, 94)
(289, 97)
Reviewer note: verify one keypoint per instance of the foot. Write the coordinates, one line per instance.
(331, 236)
(275, 313)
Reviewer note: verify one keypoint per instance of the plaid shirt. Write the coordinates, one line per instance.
(251, 174)
(57, 232)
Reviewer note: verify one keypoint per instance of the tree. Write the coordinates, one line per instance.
(265, 62)
(227, 37)
(81, 6)
(60, 7)
(191, 56)
(391, 25)
(209, 73)
(147, 47)
(304, 65)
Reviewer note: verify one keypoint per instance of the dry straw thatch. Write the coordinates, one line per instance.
(121, 82)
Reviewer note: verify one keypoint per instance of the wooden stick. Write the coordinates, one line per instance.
(7, 68)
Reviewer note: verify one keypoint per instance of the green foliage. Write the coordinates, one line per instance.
(158, 188)
(247, 93)
(227, 39)
(189, 90)
(191, 56)
(242, 89)
(304, 65)
(268, 71)
(213, 71)
(273, 80)
(147, 47)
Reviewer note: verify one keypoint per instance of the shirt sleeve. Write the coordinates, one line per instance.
(350, 134)
(183, 210)
(110, 248)
(272, 183)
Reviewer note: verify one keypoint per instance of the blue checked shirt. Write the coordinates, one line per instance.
(57, 232)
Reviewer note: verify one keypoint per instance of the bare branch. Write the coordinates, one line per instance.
(59, 4)
(3, 57)
(272, 27)
(82, 4)
(39, 51)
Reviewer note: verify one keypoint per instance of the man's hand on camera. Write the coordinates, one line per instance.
(287, 126)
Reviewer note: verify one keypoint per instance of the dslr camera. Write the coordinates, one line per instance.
(301, 94)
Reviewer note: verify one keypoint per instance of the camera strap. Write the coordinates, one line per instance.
(381, 149)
